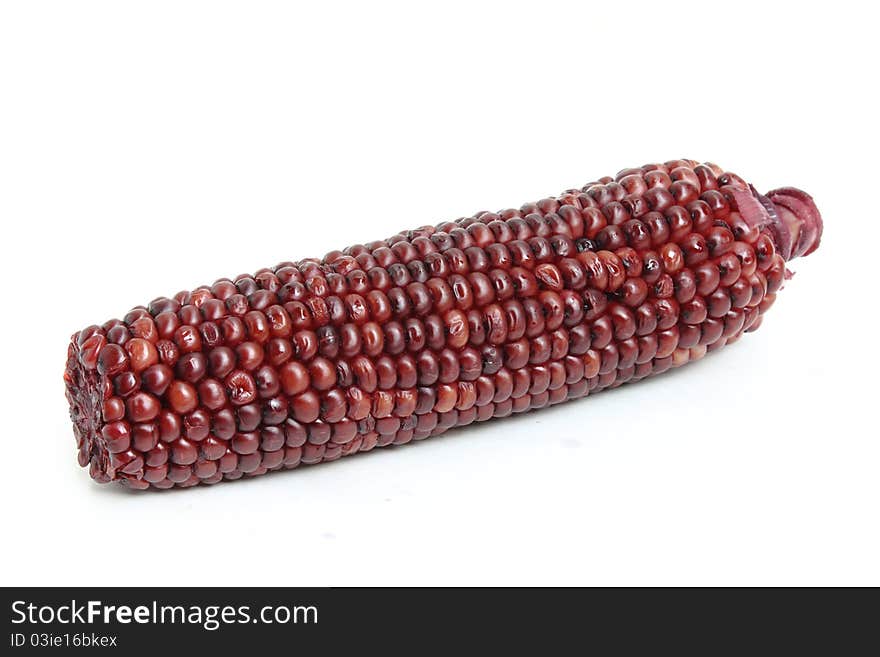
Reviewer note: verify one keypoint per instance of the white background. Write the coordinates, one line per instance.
(151, 147)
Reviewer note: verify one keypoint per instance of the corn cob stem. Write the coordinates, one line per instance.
(402, 339)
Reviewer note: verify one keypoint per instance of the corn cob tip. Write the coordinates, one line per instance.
(787, 215)
(797, 213)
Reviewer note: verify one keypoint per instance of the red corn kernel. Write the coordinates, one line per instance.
(182, 397)
(240, 388)
(187, 339)
(183, 452)
(142, 407)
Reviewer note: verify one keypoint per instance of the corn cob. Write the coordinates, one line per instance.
(398, 340)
